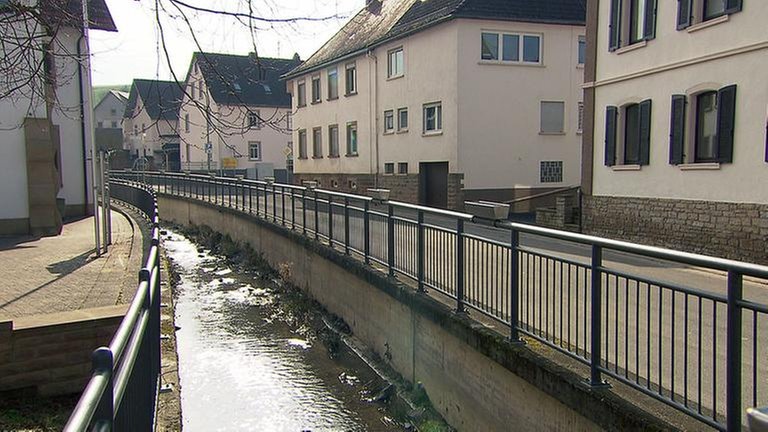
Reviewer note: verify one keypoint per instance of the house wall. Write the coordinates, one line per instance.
(149, 133)
(104, 115)
(500, 144)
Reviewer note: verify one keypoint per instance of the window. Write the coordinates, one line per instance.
(690, 12)
(302, 144)
(551, 171)
(288, 121)
(352, 139)
(316, 89)
(333, 83)
(351, 78)
(389, 168)
(389, 121)
(135, 130)
(632, 131)
(113, 111)
(713, 117)
(631, 21)
(433, 118)
(254, 119)
(186, 123)
(301, 94)
(100, 124)
(552, 117)
(507, 47)
(192, 91)
(402, 119)
(254, 150)
(580, 121)
(114, 124)
(402, 168)
(200, 89)
(395, 65)
(582, 50)
(333, 141)
(317, 142)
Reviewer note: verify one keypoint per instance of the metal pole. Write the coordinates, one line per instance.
(514, 284)
(108, 200)
(367, 232)
(104, 204)
(595, 321)
(733, 353)
(460, 266)
(317, 218)
(103, 363)
(391, 239)
(420, 252)
(88, 125)
(346, 225)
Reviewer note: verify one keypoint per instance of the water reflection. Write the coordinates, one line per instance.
(242, 367)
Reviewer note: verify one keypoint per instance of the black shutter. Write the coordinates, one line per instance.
(649, 30)
(677, 130)
(684, 13)
(726, 119)
(732, 6)
(645, 132)
(611, 114)
(614, 39)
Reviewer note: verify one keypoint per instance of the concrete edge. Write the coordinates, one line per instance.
(68, 317)
(563, 384)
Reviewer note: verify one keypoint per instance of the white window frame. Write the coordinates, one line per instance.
(352, 126)
(520, 47)
(333, 152)
(317, 97)
(302, 144)
(581, 42)
(186, 122)
(254, 119)
(317, 143)
(350, 89)
(438, 129)
(334, 71)
(392, 70)
(257, 146)
(301, 93)
(400, 112)
(389, 122)
(580, 118)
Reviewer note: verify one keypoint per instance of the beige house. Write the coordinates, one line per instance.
(444, 101)
(239, 106)
(675, 127)
(151, 124)
(44, 175)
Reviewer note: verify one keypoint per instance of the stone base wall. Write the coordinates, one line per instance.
(730, 230)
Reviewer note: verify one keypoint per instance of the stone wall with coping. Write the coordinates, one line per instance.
(724, 229)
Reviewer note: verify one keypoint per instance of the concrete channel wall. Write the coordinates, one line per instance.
(473, 376)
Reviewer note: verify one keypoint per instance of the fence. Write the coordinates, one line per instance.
(636, 314)
(122, 392)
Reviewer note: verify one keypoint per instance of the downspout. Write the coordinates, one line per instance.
(82, 125)
(374, 117)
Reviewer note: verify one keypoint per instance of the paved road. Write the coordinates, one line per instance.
(646, 316)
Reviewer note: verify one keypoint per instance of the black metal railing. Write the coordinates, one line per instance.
(688, 330)
(122, 392)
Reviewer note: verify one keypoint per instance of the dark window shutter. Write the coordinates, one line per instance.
(645, 132)
(614, 39)
(649, 32)
(677, 130)
(611, 114)
(684, 13)
(732, 6)
(726, 119)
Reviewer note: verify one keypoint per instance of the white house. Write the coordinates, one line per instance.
(151, 124)
(238, 105)
(108, 113)
(43, 171)
(444, 101)
(675, 146)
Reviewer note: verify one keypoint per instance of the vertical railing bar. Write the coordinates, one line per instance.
(420, 252)
(514, 282)
(367, 233)
(346, 225)
(460, 266)
(391, 239)
(596, 285)
(734, 353)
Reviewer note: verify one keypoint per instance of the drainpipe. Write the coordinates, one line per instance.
(82, 127)
(374, 116)
(87, 121)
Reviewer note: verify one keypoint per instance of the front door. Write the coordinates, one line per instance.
(433, 184)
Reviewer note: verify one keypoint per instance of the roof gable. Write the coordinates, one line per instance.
(70, 12)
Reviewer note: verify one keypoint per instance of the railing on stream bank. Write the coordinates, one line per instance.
(122, 392)
(694, 340)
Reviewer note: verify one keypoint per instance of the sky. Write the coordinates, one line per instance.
(135, 51)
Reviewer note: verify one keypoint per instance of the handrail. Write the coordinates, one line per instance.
(542, 195)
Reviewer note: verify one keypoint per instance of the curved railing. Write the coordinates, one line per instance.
(122, 392)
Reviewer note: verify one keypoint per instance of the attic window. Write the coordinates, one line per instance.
(237, 87)
(262, 74)
(267, 89)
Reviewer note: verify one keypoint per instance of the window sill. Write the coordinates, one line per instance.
(317, 157)
(402, 131)
(332, 98)
(580, 66)
(316, 102)
(302, 158)
(700, 166)
(709, 23)
(432, 133)
(301, 106)
(254, 160)
(350, 94)
(632, 167)
(632, 47)
(392, 78)
(333, 156)
(579, 132)
(388, 133)
(552, 133)
(351, 155)
(388, 174)
(510, 63)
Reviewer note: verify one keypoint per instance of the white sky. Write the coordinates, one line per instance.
(135, 52)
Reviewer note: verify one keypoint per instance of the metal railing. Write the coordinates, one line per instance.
(640, 315)
(122, 392)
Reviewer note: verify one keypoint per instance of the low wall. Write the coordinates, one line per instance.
(474, 377)
(52, 353)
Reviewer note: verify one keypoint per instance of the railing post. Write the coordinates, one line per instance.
(317, 218)
(391, 239)
(258, 207)
(304, 211)
(420, 251)
(367, 232)
(274, 204)
(733, 352)
(460, 266)
(330, 220)
(103, 363)
(346, 225)
(293, 208)
(282, 203)
(249, 187)
(514, 286)
(595, 379)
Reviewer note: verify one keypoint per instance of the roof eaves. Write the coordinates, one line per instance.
(524, 20)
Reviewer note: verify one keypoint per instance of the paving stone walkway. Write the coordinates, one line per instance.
(62, 273)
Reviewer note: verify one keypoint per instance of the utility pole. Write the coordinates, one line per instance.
(88, 124)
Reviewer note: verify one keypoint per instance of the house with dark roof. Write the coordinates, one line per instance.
(236, 115)
(444, 100)
(44, 174)
(151, 124)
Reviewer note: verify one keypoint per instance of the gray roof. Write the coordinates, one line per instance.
(386, 20)
(70, 12)
(161, 99)
(245, 79)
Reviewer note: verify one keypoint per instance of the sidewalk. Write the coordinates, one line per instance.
(62, 273)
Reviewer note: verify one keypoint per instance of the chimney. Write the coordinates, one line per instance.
(296, 57)
(373, 6)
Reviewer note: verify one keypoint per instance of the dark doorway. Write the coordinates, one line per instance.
(433, 184)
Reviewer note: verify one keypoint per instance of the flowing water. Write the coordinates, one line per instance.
(246, 365)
